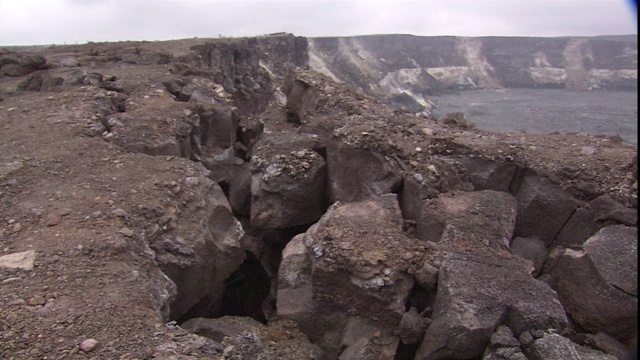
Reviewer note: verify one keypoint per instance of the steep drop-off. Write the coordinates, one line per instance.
(406, 69)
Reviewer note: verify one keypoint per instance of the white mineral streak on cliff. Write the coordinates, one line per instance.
(573, 59)
(479, 68)
(367, 64)
(548, 75)
(451, 75)
(316, 62)
(362, 63)
(595, 77)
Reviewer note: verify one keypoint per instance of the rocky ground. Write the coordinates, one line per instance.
(138, 178)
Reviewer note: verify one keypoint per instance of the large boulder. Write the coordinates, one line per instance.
(357, 174)
(531, 248)
(552, 346)
(485, 217)
(172, 130)
(15, 64)
(39, 81)
(302, 99)
(543, 207)
(598, 285)
(196, 245)
(234, 176)
(363, 339)
(354, 248)
(486, 174)
(503, 345)
(587, 220)
(218, 126)
(477, 293)
(288, 183)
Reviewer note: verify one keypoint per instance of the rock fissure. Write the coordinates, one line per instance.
(275, 213)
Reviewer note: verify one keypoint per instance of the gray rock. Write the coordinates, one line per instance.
(335, 254)
(245, 346)
(289, 190)
(356, 174)
(475, 295)
(531, 248)
(412, 327)
(414, 193)
(502, 353)
(608, 345)
(89, 345)
(240, 189)
(76, 77)
(301, 99)
(606, 208)
(586, 353)
(614, 252)
(18, 260)
(503, 337)
(543, 207)
(580, 226)
(15, 64)
(362, 339)
(199, 251)
(219, 328)
(173, 85)
(484, 217)
(69, 62)
(138, 131)
(597, 285)
(552, 346)
(525, 339)
(489, 175)
(39, 81)
(427, 276)
(218, 126)
(586, 221)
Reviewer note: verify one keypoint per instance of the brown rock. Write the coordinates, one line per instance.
(52, 219)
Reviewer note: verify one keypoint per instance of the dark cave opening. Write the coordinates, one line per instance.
(406, 352)
(247, 292)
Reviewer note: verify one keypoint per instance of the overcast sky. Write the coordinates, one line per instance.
(30, 22)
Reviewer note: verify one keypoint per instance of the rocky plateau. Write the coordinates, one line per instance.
(279, 197)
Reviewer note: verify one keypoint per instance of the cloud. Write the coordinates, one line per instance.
(70, 21)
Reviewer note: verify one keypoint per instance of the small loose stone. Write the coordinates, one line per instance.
(119, 212)
(52, 219)
(89, 345)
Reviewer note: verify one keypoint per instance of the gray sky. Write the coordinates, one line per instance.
(29, 22)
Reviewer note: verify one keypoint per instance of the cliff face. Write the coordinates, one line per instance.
(408, 68)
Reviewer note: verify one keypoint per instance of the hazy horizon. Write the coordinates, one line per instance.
(46, 22)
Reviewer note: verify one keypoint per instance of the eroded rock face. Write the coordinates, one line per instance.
(543, 207)
(489, 175)
(288, 182)
(552, 346)
(487, 217)
(175, 134)
(406, 67)
(199, 247)
(587, 220)
(354, 248)
(598, 285)
(15, 64)
(475, 295)
(357, 174)
(443, 279)
(531, 248)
